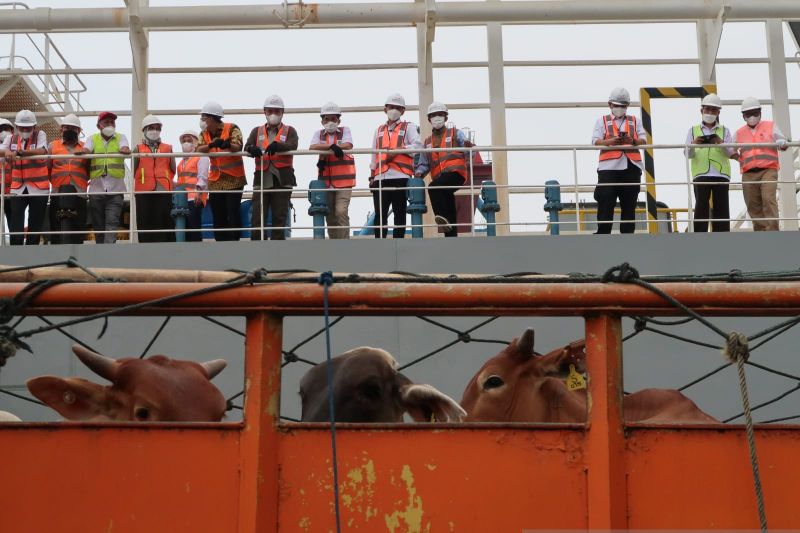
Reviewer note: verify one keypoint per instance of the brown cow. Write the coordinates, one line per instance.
(156, 389)
(368, 388)
(516, 385)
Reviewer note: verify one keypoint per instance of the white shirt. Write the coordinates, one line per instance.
(41, 142)
(599, 132)
(726, 138)
(104, 183)
(411, 140)
(346, 136)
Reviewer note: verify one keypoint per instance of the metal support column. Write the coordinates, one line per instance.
(497, 111)
(787, 192)
(139, 51)
(709, 33)
(426, 33)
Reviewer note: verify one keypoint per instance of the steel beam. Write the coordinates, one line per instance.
(709, 33)
(497, 118)
(426, 34)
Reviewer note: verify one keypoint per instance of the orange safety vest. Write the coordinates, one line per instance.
(400, 162)
(153, 173)
(230, 165)
(68, 171)
(338, 173)
(277, 160)
(187, 175)
(26, 170)
(757, 157)
(447, 161)
(612, 131)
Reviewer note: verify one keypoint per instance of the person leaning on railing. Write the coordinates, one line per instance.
(6, 130)
(193, 175)
(68, 175)
(760, 166)
(106, 177)
(623, 165)
(711, 168)
(153, 177)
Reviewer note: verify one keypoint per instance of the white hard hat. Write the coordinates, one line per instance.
(620, 96)
(25, 118)
(71, 120)
(5, 122)
(330, 108)
(149, 120)
(437, 107)
(395, 99)
(212, 108)
(273, 101)
(190, 132)
(750, 103)
(712, 100)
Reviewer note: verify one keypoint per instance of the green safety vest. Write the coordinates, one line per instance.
(113, 167)
(705, 157)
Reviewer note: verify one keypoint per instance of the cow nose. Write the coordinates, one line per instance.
(142, 413)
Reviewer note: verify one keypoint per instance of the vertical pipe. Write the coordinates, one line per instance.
(578, 225)
(133, 235)
(425, 84)
(471, 193)
(689, 206)
(497, 112)
(139, 78)
(318, 208)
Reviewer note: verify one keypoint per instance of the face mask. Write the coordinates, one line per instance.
(152, 135)
(202, 125)
(108, 131)
(331, 127)
(187, 147)
(618, 112)
(710, 119)
(4, 135)
(752, 121)
(273, 120)
(437, 122)
(393, 114)
(69, 136)
(25, 135)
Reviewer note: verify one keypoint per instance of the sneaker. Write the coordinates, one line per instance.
(443, 222)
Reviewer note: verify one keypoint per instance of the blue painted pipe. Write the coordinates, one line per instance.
(490, 206)
(180, 210)
(552, 195)
(416, 205)
(318, 197)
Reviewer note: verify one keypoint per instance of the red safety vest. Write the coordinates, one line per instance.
(396, 140)
(29, 171)
(447, 161)
(68, 171)
(230, 165)
(612, 131)
(756, 157)
(187, 175)
(338, 173)
(277, 160)
(153, 173)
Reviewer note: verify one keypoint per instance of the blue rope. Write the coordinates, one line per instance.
(326, 280)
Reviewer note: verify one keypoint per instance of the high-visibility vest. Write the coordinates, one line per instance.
(750, 158)
(68, 171)
(396, 140)
(277, 160)
(153, 173)
(230, 165)
(187, 176)
(705, 158)
(32, 172)
(338, 173)
(113, 167)
(5, 164)
(446, 161)
(611, 131)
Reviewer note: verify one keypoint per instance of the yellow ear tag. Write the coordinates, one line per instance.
(574, 380)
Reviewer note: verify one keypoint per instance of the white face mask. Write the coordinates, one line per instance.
(437, 122)
(188, 147)
(202, 125)
(25, 135)
(752, 121)
(393, 114)
(710, 119)
(273, 120)
(152, 135)
(4, 135)
(331, 127)
(619, 112)
(108, 131)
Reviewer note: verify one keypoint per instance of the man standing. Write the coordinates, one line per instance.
(760, 166)
(106, 177)
(622, 165)
(711, 168)
(337, 170)
(68, 175)
(193, 175)
(274, 171)
(153, 177)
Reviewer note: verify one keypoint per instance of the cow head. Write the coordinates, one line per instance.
(368, 388)
(518, 384)
(156, 389)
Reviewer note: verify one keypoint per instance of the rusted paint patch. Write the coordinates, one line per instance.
(411, 516)
(305, 523)
(357, 490)
(311, 13)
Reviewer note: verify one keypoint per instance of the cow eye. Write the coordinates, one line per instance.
(141, 413)
(371, 390)
(492, 382)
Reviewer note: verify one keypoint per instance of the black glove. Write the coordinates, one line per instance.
(321, 165)
(338, 152)
(255, 151)
(273, 147)
(216, 143)
(225, 145)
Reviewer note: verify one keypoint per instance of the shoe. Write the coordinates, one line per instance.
(443, 222)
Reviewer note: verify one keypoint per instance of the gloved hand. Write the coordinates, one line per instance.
(272, 148)
(337, 151)
(216, 143)
(225, 144)
(255, 151)
(321, 165)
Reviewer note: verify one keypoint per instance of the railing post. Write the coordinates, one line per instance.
(2, 203)
(416, 205)
(552, 195)
(258, 448)
(490, 206)
(605, 439)
(180, 210)
(318, 198)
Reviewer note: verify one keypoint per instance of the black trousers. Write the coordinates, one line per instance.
(384, 194)
(606, 198)
(153, 213)
(36, 204)
(67, 213)
(194, 221)
(443, 201)
(711, 201)
(225, 207)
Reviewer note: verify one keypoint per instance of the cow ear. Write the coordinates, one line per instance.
(525, 343)
(73, 398)
(426, 403)
(559, 360)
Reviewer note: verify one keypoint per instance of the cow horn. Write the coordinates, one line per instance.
(525, 343)
(101, 365)
(214, 367)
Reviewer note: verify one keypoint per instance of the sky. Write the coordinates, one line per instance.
(671, 118)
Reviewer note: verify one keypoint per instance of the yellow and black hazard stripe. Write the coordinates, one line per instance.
(645, 95)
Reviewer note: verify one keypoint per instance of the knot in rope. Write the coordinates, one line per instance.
(353, 278)
(326, 279)
(256, 276)
(639, 325)
(736, 347)
(290, 357)
(464, 337)
(620, 274)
